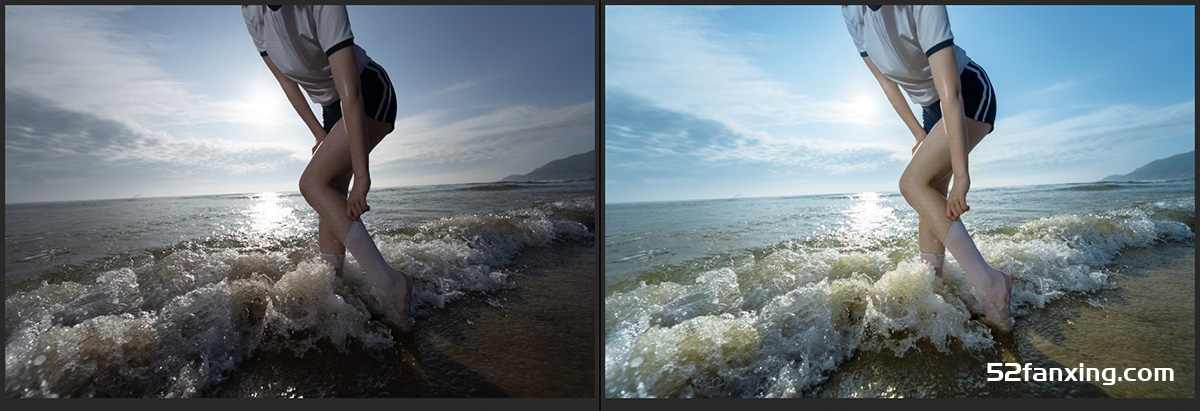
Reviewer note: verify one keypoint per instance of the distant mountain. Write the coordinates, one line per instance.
(576, 167)
(1176, 167)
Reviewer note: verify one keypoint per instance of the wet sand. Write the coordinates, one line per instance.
(542, 342)
(1147, 322)
(538, 340)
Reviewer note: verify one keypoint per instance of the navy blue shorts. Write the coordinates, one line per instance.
(979, 99)
(379, 98)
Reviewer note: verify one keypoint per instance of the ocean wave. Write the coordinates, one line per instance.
(775, 322)
(494, 187)
(177, 322)
(1097, 187)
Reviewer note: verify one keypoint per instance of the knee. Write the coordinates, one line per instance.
(308, 185)
(304, 191)
(905, 185)
(909, 185)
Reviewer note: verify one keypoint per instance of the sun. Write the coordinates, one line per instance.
(260, 113)
(264, 103)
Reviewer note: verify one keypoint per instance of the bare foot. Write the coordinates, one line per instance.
(995, 300)
(397, 302)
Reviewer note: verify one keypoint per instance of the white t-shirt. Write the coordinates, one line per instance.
(300, 39)
(900, 39)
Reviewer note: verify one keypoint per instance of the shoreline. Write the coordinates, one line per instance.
(541, 341)
(537, 340)
(1147, 322)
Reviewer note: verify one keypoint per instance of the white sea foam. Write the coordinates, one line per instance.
(777, 324)
(176, 325)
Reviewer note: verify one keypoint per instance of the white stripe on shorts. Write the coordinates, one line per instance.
(387, 93)
(987, 92)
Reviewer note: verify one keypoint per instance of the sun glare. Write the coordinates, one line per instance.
(269, 216)
(869, 220)
(263, 103)
(867, 103)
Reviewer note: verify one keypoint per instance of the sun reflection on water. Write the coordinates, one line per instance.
(870, 220)
(270, 217)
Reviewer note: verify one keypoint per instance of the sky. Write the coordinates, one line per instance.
(755, 101)
(117, 102)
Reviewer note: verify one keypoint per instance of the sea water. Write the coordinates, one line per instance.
(168, 296)
(769, 297)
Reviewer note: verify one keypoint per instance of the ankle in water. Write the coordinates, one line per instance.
(359, 243)
(335, 261)
(993, 287)
(936, 260)
(392, 294)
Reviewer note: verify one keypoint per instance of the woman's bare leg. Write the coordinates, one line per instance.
(328, 166)
(333, 252)
(932, 249)
(930, 164)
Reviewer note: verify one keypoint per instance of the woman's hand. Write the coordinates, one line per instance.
(320, 135)
(356, 204)
(920, 138)
(956, 202)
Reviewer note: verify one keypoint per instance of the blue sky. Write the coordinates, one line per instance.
(748, 101)
(114, 102)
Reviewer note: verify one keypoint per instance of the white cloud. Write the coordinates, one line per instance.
(640, 136)
(683, 59)
(85, 59)
(1062, 85)
(88, 102)
(427, 139)
(40, 136)
(1042, 91)
(688, 63)
(463, 85)
(1036, 138)
(126, 112)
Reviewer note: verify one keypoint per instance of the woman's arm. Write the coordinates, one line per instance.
(296, 97)
(894, 96)
(945, 78)
(345, 77)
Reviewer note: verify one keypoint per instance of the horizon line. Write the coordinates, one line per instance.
(888, 191)
(140, 197)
